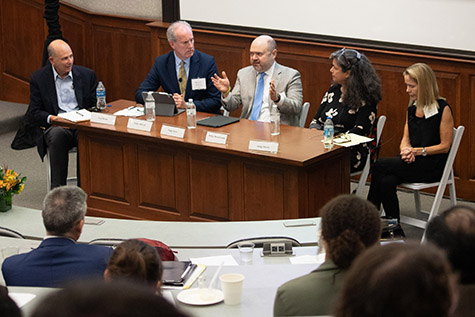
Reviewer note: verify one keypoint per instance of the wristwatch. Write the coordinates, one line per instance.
(424, 152)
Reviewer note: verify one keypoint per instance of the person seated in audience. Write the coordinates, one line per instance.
(59, 258)
(454, 232)
(184, 72)
(136, 261)
(8, 308)
(351, 102)
(426, 140)
(349, 225)
(119, 299)
(399, 279)
(262, 84)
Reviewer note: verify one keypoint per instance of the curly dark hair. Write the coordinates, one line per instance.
(349, 225)
(364, 85)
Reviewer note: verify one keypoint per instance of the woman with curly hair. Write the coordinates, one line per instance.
(351, 102)
(349, 226)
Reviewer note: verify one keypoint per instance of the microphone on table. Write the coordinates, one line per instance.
(180, 80)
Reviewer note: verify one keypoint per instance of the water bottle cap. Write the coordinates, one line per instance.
(190, 100)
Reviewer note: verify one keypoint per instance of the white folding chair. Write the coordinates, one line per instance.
(303, 114)
(446, 179)
(48, 169)
(365, 172)
(225, 112)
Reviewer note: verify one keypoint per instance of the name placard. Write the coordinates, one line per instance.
(170, 130)
(141, 125)
(103, 118)
(263, 146)
(215, 137)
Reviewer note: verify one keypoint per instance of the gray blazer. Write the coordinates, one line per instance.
(286, 80)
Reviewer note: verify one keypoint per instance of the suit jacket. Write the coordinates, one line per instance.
(56, 261)
(286, 80)
(44, 100)
(163, 74)
(311, 294)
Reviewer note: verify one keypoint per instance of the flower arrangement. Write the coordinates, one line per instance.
(10, 183)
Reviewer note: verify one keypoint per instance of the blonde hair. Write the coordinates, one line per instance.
(427, 88)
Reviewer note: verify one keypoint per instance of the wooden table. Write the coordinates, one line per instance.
(142, 175)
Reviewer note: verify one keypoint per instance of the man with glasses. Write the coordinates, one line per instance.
(262, 84)
(184, 72)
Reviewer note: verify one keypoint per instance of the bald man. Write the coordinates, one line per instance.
(60, 87)
(279, 84)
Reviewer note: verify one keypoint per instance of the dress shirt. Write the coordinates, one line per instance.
(65, 92)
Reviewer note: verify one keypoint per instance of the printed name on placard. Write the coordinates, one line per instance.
(141, 125)
(103, 118)
(169, 130)
(264, 146)
(214, 137)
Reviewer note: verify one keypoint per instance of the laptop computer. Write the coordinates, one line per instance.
(164, 104)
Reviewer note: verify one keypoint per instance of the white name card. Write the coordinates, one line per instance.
(103, 118)
(264, 146)
(169, 130)
(214, 137)
(141, 125)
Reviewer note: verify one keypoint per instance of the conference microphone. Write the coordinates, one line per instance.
(180, 80)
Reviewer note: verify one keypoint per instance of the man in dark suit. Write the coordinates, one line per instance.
(60, 87)
(184, 72)
(59, 258)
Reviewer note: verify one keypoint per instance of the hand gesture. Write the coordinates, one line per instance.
(222, 84)
(179, 101)
(272, 91)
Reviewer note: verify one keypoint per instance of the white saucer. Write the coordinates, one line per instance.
(200, 296)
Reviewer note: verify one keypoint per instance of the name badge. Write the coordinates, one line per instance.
(264, 146)
(169, 130)
(214, 137)
(141, 125)
(198, 84)
(103, 118)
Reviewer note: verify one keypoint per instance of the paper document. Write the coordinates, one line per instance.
(215, 260)
(76, 116)
(350, 139)
(21, 298)
(132, 111)
(308, 259)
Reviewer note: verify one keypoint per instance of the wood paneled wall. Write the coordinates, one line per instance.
(122, 50)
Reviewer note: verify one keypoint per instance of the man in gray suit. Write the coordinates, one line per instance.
(263, 83)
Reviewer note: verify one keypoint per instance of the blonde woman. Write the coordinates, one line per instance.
(425, 143)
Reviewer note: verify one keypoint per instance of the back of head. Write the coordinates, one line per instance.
(427, 88)
(454, 232)
(349, 225)
(63, 208)
(136, 261)
(8, 308)
(94, 299)
(398, 280)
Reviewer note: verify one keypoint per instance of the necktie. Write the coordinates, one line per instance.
(182, 78)
(258, 96)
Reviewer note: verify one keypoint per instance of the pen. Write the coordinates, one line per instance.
(131, 107)
(79, 113)
(186, 271)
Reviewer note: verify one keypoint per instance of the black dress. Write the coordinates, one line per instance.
(387, 173)
(345, 119)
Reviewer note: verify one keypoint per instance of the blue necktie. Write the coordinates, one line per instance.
(257, 104)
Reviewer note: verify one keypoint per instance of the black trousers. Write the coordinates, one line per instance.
(59, 141)
(389, 172)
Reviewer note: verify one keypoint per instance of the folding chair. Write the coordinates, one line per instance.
(259, 241)
(48, 170)
(303, 114)
(446, 179)
(365, 172)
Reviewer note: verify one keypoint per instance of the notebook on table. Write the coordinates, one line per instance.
(217, 121)
(176, 273)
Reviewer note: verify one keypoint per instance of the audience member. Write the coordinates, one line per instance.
(263, 83)
(137, 261)
(184, 72)
(454, 232)
(349, 225)
(59, 258)
(120, 299)
(427, 138)
(399, 279)
(351, 102)
(60, 87)
(8, 308)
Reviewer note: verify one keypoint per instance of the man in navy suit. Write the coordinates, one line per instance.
(59, 259)
(184, 72)
(60, 87)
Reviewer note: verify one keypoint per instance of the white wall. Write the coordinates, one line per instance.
(146, 9)
(437, 23)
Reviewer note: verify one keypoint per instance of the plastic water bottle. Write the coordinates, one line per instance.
(150, 107)
(328, 131)
(191, 114)
(101, 96)
(274, 120)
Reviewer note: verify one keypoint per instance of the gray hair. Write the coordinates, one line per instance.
(171, 31)
(63, 208)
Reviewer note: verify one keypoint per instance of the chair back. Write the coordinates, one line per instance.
(259, 241)
(303, 114)
(5, 232)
